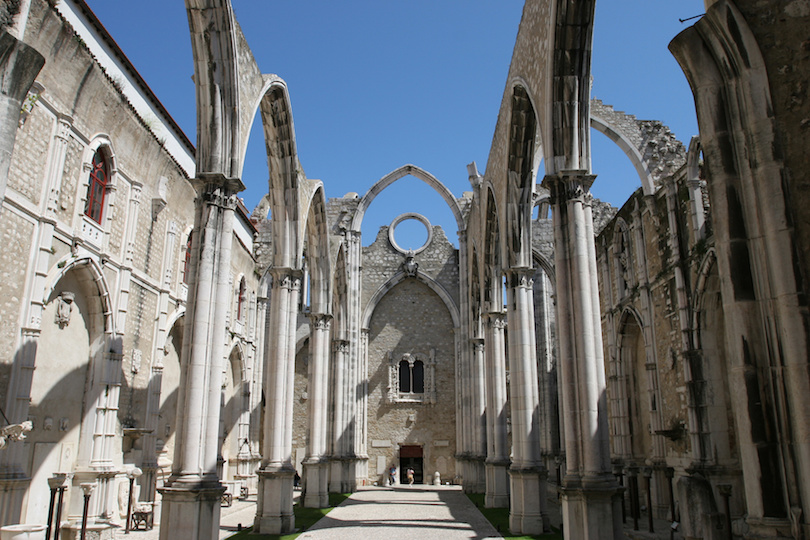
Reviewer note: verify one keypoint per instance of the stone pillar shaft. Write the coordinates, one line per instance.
(524, 395)
(278, 361)
(203, 344)
(497, 451)
(292, 327)
(274, 512)
(191, 496)
(589, 492)
(478, 417)
(315, 469)
(527, 476)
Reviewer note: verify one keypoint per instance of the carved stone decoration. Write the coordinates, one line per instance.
(64, 307)
(137, 358)
(410, 266)
(14, 432)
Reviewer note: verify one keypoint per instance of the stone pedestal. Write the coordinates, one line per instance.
(316, 476)
(497, 495)
(192, 511)
(528, 501)
(593, 510)
(274, 511)
(475, 475)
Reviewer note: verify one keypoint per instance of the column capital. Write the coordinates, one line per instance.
(217, 185)
(320, 321)
(340, 346)
(477, 344)
(496, 319)
(521, 276)
(569, 185)
(286, 278)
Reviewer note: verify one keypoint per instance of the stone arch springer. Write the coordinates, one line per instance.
(314, 229)
(546, 265)
(272, 84)
(398, 278)
(395, 175)
(538, 156)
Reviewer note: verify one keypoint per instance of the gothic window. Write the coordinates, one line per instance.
(411, 378)
(97, 187)
(187, 258)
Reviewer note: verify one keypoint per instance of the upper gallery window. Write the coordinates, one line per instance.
(97, 187)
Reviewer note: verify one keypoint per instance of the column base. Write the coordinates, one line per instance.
(315, 489)
(592, 508)
(274, 511)
(528, 513)
(497, 494)
(475, 475)
(343, 474)
(192, 508)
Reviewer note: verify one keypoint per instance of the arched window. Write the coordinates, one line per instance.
(240, 301)
(187, 258)
(411, 376)
(97, 187)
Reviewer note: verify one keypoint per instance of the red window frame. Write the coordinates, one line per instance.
(97, 188)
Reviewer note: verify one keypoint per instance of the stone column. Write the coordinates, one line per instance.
(191, 497)
(590, 503)
(477, 482)
(315, 493)
(497, 464)
(337, 480)
(355, 458)
(527, 474)
(274, 511)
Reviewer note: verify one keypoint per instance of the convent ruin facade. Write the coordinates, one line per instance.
(655, 352)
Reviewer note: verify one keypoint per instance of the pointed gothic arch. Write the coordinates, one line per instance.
(395, 175)
(398, 278)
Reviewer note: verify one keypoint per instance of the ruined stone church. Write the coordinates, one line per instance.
(650, 355)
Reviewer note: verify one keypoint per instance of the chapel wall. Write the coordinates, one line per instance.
(411, 319)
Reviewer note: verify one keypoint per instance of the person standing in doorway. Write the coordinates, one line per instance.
(392, 475)
(410, 476)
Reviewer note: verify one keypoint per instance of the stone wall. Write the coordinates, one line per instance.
(411, 319)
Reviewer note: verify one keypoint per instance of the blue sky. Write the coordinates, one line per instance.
(376, 85)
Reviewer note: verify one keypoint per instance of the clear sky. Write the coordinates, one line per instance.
(376, 85)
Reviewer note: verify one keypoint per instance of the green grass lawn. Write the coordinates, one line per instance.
(304, 519)
(499, 517)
